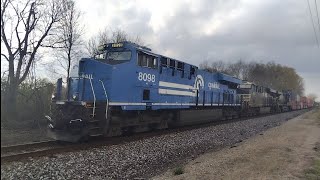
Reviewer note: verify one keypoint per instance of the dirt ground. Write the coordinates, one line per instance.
(283, 152)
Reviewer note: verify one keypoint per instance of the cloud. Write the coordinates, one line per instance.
(270, 31)
(194, 31)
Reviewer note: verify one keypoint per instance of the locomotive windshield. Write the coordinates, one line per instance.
(245, 86)
(119, 56)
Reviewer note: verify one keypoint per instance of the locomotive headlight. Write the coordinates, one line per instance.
(53, 96)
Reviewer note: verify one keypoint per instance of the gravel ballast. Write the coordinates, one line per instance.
(143, 158)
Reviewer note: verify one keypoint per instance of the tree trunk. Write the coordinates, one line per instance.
(68, 73)
(11, 103)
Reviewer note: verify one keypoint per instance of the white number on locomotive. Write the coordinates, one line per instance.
(146, 77)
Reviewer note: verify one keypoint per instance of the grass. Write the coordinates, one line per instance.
(314, 115)
(318, 116)
(313, 173)
(179, 170)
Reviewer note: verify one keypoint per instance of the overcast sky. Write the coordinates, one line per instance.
(194, 31)
(227, 30)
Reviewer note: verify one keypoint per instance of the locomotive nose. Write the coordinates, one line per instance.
(96, 77)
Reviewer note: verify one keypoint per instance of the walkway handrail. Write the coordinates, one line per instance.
(94, 98)
(107, 99)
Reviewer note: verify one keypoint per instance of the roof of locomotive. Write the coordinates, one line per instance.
(121, 45)
(228, 78)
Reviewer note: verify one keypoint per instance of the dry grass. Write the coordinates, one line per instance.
(313, 173)
(314, 115)
(317, 116)
(179, 170)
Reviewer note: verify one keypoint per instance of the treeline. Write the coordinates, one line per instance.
(269, 74)
(33, 103)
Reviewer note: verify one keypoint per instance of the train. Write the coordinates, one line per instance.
(127, 88)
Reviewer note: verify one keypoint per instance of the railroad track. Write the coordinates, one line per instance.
(20, 151)
(49, 148)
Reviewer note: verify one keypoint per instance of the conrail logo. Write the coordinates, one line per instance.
(199, 82)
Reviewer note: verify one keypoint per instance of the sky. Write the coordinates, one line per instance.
(227, 30)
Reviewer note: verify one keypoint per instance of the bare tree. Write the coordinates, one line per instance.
(119, 36)
(101, 38)
(205, 65)
(219, 66)
(216, 66)
(67, 40)
(24, 27)
(109, 36)
(236, 69)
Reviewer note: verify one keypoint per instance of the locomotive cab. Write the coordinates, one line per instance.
(89, 92)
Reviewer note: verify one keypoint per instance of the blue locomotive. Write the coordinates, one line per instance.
(128, 88)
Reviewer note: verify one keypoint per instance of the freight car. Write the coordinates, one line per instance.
(128, 88)
(306, 102)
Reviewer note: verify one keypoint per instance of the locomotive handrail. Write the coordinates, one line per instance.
(107, 99)
(94, 98)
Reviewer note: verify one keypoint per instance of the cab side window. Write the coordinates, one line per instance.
(172, 64)
(192, 71)
(142, 60)
(146, 60)
(180, 67)
(164, 62)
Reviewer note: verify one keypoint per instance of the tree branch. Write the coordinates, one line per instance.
(53, 20)
(5, 56)
(3, 34)
(28, 30)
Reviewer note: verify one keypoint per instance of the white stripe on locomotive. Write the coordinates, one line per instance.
(175, 85)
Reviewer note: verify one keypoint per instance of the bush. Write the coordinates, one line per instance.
(179, 170)
(33, 103)
(314, 172)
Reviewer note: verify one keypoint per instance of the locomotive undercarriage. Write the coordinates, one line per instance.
(254, 111)
(73, 122)
(70, 121)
